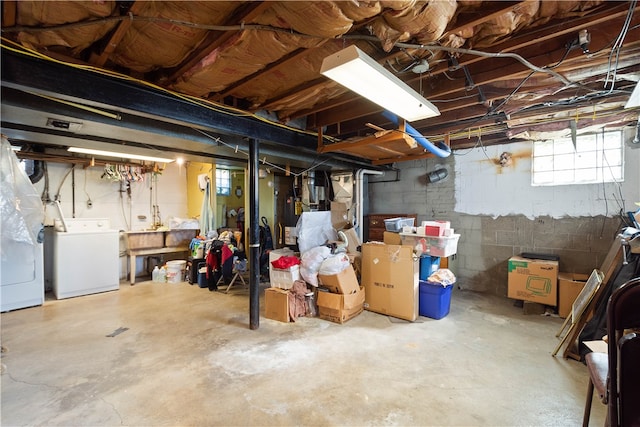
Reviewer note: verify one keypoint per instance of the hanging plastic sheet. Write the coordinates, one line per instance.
(207, 218)
(21, 209)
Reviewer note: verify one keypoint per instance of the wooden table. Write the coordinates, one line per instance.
(133, 253)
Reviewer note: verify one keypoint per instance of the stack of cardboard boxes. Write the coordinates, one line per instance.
(340, 296)
(538, 281)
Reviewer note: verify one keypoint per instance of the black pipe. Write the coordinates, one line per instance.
(254, 236)
(38, 171)
(73, 191)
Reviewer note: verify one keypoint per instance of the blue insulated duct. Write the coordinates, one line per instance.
(441, 150)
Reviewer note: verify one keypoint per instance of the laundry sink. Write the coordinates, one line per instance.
(144, 239)
(153, 239)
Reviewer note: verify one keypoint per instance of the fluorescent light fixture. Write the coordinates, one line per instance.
(634, 99)
(117, 154)
(357, 71)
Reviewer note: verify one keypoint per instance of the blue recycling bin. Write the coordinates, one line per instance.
(435, 300)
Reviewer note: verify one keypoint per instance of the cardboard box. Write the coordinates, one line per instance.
(569, 287)
(533, 280)
(352, 240)
(390, 279)
(276, 304)
(339, 215)
(391, 238)
(344, 282)
(339, 308)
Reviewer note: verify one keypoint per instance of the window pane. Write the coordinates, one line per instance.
(612, 140)
(586, 143)
(612, 158)
(543, 178)
(564, 161)
(223, 182)
(587, 160)
(543, 148)
(563, 177)
(542, 164)
(564, 146)
(613, 173)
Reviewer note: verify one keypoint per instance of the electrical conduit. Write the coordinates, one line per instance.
(441, 150)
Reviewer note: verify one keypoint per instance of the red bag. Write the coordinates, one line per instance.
(285, 262)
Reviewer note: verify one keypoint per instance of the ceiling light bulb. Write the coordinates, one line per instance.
(118, 154)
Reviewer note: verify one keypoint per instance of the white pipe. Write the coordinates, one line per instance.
(360, 197)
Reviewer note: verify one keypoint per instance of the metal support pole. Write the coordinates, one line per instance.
(254, 236)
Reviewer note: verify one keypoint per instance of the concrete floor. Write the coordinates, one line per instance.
(189, 358)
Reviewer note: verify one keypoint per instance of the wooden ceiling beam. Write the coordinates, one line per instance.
(9, 13)
(390, 160)
(487, 13)
(213, 39)
(283, 62)
(100, 59)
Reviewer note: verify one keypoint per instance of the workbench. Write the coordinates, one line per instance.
(133, 253)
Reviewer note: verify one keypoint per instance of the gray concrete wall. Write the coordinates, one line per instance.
(488, 241)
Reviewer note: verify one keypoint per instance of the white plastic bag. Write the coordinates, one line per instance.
(334, 264)
(310, 262)
(442, 276)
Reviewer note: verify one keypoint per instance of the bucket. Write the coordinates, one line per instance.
(175, 271)
(202, 277)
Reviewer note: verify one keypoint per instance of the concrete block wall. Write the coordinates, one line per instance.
(488, 241)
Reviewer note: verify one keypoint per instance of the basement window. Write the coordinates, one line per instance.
(594, 159)
(223, 182)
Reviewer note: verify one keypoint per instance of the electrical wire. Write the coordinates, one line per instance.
(617, 45)
(264, 159)
(444, 101)
(494, 109)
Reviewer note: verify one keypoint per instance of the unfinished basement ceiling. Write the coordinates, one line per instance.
(498, 71)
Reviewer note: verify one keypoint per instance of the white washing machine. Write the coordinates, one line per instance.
(22, 282)
(85, 257)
